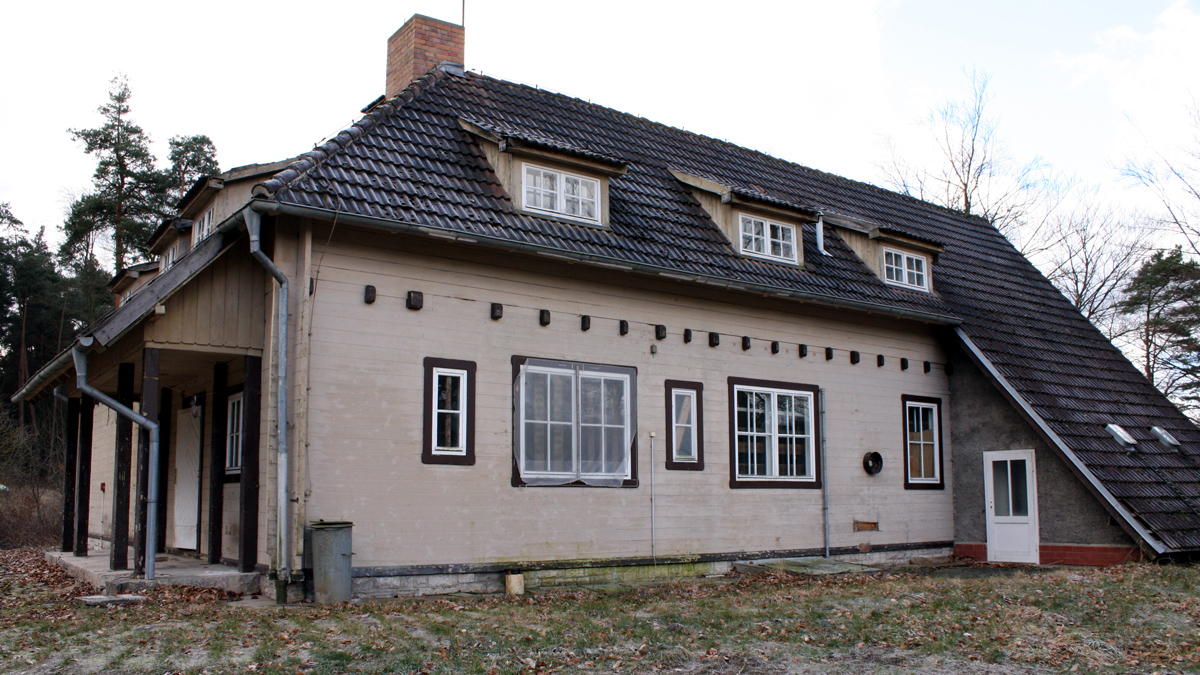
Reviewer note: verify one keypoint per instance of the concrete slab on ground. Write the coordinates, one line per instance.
(803, 566)
(170, 569)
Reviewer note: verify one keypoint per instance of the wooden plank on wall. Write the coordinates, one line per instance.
(216, 475)
(166, 416)
(118, 555)
(150, 401)
(69, 467)
(83, 474)
(248, 511)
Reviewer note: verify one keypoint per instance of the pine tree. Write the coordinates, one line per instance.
(1164, 299)
(191, 157)
(127, 197)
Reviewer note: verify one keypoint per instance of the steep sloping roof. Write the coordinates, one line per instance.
(410, 160)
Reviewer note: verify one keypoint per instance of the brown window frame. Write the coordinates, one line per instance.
(427, 427)
(696, 388)
(794, 484)
(632, 482)
(909, 484)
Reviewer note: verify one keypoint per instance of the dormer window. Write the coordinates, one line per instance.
(168, 258)
(202, 226)
(561, 193)
(768, 239)
(905, 269)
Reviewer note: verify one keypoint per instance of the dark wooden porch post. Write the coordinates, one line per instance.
(118, 555)
(150, 400)
(166, 416)
(83, 474)
(216, 474)
(248, 520)
(69, 466)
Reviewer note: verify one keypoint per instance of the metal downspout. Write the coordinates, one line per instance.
(824, 476)
(283, 571)
(79, 354)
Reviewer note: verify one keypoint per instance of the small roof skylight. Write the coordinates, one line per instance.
(1165, 436)
(1120, 434)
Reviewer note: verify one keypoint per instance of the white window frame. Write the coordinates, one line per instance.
(766, 238)
(578, 371)
(233, 433)
(676, 426)
(772, 435)
(168, 258)
(202, 227)
(935, 445)
(905, 273)
(461, 450)
(559, 193)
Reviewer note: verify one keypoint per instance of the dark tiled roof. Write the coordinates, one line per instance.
(410, 160)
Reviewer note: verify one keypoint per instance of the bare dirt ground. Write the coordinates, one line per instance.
(1136, 618)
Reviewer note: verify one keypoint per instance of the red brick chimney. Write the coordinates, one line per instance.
(418, 47)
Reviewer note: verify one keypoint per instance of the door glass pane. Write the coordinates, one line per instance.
(1020, 483)
(1000, 488)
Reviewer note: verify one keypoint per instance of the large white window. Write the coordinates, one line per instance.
(449, 409)
(904, 269)
(574, 422)
(922, 442)
(202, 227)
(233, 439)
(768, 239)
(561, 193)
(774, 433)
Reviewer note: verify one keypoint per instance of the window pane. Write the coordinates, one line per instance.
(683, 407)
(783, 414)
(614, 450)
(743, 411)
(448, 390)
(1000, 488)
(571, 186)
(536, 444)
(1020, 498)
(926, 425)
(743, 455)
(758, 418)
(759, 456)
(590, 403)
(561, 459)
(448, 429)
(758, 228)
(786, 448)
(561, 398)
(614, 402)
(930, 457)
(588, 190)
(914, 459)
(536, 395)
(591, 449)
(684, 446)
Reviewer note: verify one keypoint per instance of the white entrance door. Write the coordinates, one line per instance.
(187, 480)
(1010, 489)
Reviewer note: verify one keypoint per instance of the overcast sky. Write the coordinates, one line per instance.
(1081, 84)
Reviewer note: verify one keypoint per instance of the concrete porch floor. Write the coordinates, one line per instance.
(169, 570)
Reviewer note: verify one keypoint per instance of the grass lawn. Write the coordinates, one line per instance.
(1136, 618)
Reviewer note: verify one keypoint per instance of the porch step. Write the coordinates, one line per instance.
(173, 571)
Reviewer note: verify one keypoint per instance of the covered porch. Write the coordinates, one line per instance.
(207, 403)
(171, 570)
